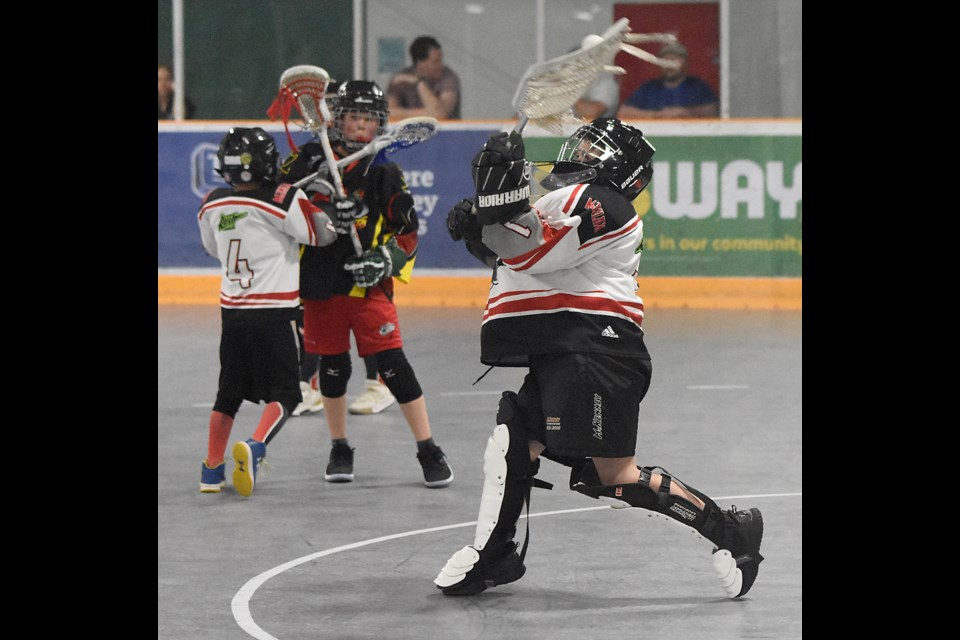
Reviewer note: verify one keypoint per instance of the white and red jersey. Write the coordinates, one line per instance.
(567, 279)
(256, 235)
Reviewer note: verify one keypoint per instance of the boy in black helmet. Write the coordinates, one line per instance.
(255, 228)
(345, 293)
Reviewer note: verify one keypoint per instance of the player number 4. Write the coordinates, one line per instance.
(238, 270)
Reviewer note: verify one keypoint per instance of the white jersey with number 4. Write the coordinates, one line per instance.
(256, 235)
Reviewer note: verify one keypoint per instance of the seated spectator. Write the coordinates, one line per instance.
(428, 88)
(674, 94)
(165, 95)
(600, 100)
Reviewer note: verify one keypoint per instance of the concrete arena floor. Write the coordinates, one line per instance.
(304, 559)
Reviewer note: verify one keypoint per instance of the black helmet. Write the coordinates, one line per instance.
(247, 155)
(355, 96)
(610, 153)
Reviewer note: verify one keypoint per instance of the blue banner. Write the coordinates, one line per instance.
(437, 173)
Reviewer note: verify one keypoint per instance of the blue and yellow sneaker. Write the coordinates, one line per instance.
(212, 480)
(248, 456)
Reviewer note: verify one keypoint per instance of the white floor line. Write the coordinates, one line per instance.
(241, 601)
(712, 387)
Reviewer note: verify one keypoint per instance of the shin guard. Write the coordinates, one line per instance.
(733, 536)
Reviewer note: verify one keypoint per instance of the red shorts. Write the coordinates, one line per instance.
(327, 324)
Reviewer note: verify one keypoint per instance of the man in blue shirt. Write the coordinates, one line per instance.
(673, 95)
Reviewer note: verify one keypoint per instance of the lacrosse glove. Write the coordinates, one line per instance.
(462, 222)
(501, 176)
(376, 264)
(344, 212)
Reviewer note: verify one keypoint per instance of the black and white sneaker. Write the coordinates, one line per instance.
(436, 470)
(340, 467)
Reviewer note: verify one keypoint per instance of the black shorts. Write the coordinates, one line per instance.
(585, 404)
(259, 358)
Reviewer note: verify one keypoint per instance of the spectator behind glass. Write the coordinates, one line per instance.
(674, 94)
(165, 99)
(601, 99)
(428, 88)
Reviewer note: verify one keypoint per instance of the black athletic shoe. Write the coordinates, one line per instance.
(741, 536)
(491, 570)
(436, 470)
(340, 468)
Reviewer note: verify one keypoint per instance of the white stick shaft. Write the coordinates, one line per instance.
(335, 173)
(647, 56)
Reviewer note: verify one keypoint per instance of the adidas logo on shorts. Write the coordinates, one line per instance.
(609, 333)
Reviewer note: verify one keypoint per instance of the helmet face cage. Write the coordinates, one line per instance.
(356, 97)
(247, 155)
(618, 152)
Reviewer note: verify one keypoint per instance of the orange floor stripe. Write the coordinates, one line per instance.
(456, 291)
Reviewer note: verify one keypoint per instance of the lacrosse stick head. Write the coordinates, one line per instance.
(411, 131)
(304, 87)
(405, 133)
(549, 89)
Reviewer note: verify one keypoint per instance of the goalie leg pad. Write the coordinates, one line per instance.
(492, 559)
(506, 467)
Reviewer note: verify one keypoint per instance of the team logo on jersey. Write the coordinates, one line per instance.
(597, 217)
(281, 192)
(228, 221)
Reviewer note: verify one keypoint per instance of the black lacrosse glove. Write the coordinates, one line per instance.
(462, 222)
(344, 212)
(376, 264)
(502, 179)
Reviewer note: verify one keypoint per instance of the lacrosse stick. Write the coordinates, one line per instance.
(405, 134)
(548, 90)
(306, 85)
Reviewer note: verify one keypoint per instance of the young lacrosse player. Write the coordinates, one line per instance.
(563, 304)
(376, 397)
(344, 292)
(255, 228)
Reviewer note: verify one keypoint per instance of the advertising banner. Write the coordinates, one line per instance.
(726, 198)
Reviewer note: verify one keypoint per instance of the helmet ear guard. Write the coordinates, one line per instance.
(247, 155)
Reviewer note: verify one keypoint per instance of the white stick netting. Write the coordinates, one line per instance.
(412, 131)
(549, 89)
